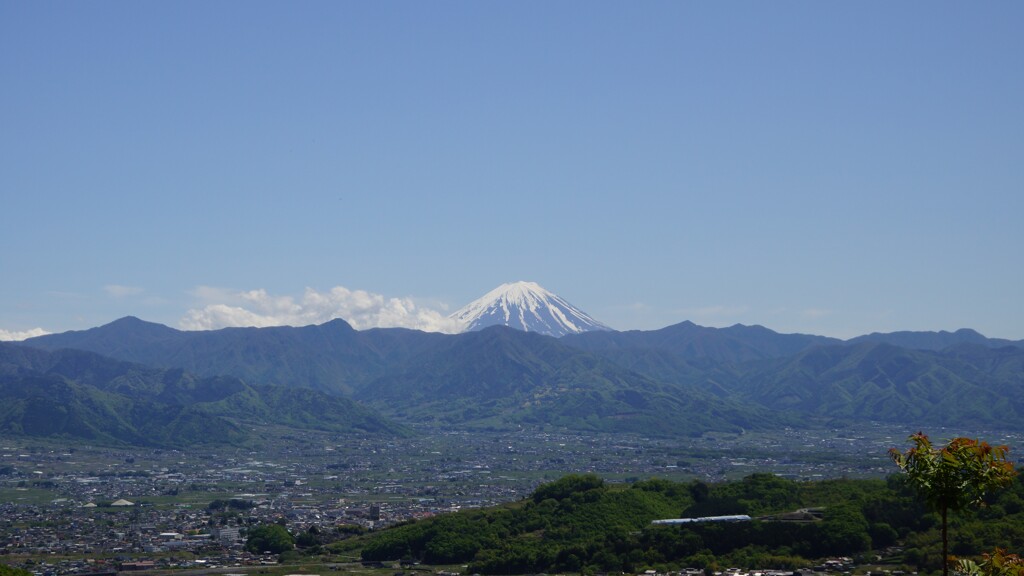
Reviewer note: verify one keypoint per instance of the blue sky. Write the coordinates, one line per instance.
(828, 168)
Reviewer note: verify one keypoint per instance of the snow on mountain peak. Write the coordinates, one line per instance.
(526, 306)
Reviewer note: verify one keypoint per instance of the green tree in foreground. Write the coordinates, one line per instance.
(11, 571)
(272, 538)
(954, 477)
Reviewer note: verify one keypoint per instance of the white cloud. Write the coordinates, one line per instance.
(362, 309)
(119, 291)
(16, 335)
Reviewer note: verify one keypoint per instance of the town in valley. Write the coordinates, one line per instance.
(83, 509)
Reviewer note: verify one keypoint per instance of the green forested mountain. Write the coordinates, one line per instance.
(689, 341)
(82, 395)
(964, 385)
(56, 407)
(331, 357)
(500, 376)
(580, 523)
(678, 380)
(883, 382)
(935, 340)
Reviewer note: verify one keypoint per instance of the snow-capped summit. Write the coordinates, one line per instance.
(528, 307)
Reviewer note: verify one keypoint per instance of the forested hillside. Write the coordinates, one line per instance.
(680, 380)
(79, 395)
(580, 523)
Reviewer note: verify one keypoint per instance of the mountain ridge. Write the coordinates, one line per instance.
(502, 376)
(923, 340)
(81, 394)
(736, 343)
(677, 380)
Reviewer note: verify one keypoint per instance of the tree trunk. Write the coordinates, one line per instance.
(945, 544)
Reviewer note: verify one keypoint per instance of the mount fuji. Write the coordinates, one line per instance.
(529, 307)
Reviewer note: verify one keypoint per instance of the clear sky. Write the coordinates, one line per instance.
(820, 167)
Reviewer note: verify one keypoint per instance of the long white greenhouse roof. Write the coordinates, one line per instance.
(732, 518)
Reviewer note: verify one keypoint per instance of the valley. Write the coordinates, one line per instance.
(57, 497)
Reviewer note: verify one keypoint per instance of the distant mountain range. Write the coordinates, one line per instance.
(529, 358)
(935, 340)
(76, 394)
(680, 380)
(499, 377)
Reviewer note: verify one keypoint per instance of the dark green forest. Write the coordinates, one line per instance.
(581, 523)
